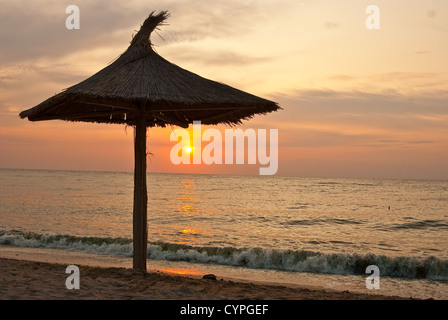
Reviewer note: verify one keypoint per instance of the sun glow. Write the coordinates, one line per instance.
(188, 149)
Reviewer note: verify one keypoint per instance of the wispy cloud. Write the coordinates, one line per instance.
(332, 25)
(397, 82)
(431, 13)
(37, 29)
(330, 118)
(217, 57)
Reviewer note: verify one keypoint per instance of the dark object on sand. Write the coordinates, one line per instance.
(209, 276)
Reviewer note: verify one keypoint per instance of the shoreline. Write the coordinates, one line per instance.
(40, 274)
(30, 280)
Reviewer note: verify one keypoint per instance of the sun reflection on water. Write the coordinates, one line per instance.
(187, 198)
(189, 210)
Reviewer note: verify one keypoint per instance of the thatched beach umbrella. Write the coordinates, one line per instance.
(142, 89)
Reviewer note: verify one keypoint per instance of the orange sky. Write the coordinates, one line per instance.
(357, 102)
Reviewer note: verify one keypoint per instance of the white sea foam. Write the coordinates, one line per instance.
(297, 261)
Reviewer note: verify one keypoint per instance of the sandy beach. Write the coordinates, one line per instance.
(22, 279)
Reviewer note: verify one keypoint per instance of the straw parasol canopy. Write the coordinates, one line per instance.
(142, 89)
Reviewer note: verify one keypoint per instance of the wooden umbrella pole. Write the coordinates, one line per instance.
(140, 226)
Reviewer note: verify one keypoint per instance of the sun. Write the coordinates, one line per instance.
(188, 149)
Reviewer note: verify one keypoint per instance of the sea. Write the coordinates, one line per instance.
(316, 232)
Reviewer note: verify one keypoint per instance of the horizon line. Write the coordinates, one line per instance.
(232, 174)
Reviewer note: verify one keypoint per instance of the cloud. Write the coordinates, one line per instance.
(431, 14)
(420, 142)
(217, 57)
(195, 20)
(395, 82)
(342, 77)
(378, 132)
(332, 25)
(421, 52)
(326, 117)
(386, 102)
(37, 29)
(23, 85)
(13, 74)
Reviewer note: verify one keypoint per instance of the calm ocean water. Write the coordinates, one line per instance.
(315, 225)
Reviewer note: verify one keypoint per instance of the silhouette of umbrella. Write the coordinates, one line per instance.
(142, 89)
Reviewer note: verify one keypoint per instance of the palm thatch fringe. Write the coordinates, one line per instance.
(141, 75)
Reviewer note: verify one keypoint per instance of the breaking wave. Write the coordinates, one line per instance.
(283, 260)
